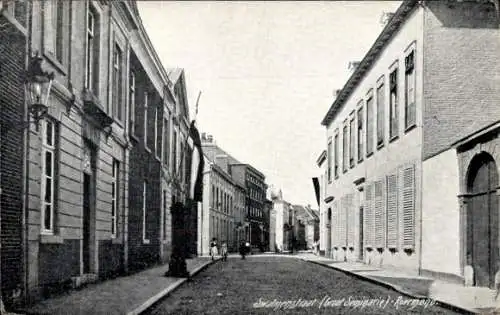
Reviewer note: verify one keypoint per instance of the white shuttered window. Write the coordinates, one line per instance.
(392, 211)
(351, 220)
(369, 217)
(379, 215)
(408, 207)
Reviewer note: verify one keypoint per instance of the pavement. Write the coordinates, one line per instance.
(128, 295)
(135, 293)
(472, 300)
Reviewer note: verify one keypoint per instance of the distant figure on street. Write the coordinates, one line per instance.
(223, 250)
(243, 250)
(213, 248)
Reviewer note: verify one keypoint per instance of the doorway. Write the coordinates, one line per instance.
(88, 213)
(482, 219)
(329, 233)
(361, 240)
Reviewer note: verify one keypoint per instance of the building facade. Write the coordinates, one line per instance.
(398, 109)
(324, 228)
(253, 181)
(255, 186)
(469, 204)
(13, 63)
(113, 112)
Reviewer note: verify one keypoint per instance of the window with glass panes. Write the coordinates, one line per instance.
(393, 108)
(380, 114)
(360, 132)
(48, 177)
(369, 125)
(410, 104)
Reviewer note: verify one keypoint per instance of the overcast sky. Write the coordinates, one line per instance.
(267, 72)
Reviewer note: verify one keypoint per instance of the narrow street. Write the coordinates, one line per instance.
(249, 286)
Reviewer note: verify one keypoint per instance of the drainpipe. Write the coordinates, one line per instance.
(27, 132)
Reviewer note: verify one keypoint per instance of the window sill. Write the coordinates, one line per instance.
(393, 139)
(360, 160)
(380, 146)
(134, 137)
(56, 63)
(145, 242)
(116, 240)
(147, 149)
(369, 154)
(158, 158)
(51, 239)
(410, 128)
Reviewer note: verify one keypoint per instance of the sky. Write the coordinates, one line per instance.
(267, 72)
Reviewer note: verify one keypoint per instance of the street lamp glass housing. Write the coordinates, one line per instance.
(38, 85)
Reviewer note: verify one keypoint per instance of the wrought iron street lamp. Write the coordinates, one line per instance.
(38, 84)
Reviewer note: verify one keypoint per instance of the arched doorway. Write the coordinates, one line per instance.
(482, 219)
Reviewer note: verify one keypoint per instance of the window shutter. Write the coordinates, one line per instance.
(392, 211)
(351, 219)
(379, 215)
(335, 225)
(368, 217)
(408, 207)
(343, 222)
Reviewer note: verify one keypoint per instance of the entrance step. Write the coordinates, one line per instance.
(85, 278)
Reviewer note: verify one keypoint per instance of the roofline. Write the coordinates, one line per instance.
(366, 64)
(477, 134)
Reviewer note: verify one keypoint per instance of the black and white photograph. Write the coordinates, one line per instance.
(249, 157)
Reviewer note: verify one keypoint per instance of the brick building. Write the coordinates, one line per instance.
(117, 122)
(13, 61)
(408, 100)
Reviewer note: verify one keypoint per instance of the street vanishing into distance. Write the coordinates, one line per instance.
(266, 284)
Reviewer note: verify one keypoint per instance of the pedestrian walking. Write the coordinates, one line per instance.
(213, 248)
(243, 250)
(223, 250)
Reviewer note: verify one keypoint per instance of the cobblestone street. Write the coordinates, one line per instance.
(247, 286)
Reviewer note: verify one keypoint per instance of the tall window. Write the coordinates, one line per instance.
(91, 52)
(360, 133)
(345, 151)
(166, 142)
(369, 126)
(336, 156)
(115, 184)
(146, 105)
(410, 106)
(48, 175)
(352, 145)
(131, 92)
(157, 132)
(144, 213)
(174, 153)
(117, 108)
(53, 20)
(393, 108)
(380, 114)
(329, 167)
(165, 214)
(212, 200)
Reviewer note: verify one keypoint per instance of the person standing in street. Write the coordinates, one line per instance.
(213, 248)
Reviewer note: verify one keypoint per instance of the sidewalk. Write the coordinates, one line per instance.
(472, 300)
(129, 295)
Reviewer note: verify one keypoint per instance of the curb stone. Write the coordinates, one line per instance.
(151, 301)
(396, 288)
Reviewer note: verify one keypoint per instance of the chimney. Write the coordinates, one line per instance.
(385, 18)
